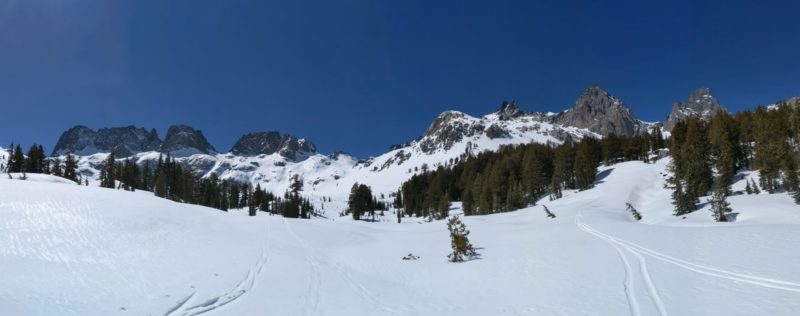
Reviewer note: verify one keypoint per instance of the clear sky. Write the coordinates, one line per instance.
(359, 76)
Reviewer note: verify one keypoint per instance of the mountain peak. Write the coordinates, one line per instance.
(600, 112)
(267, 143)
(184, 140)
(700, 103)
(122, 141)
(508, 110)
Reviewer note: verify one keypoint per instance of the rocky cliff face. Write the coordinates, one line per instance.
(700, 103)
(183, 140)
(122, 141)
(268, 143)
(449, 128)
(508, 111)
(600, 112)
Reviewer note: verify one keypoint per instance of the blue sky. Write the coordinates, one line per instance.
(359, 76)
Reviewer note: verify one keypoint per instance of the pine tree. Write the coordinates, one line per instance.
(791, 182)
(719, 205)
(71, 168)
(723, 137)
(443, 207)
(108, 172)
(459, 240)
(586, 164)
(684, 204)
(56, 168)
(18, 162)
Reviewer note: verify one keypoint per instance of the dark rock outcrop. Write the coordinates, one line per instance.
(122, 141)
(449, 128)
(267, 143)
(700, 103)
(183, 140)
(508, 111)
(600, 112)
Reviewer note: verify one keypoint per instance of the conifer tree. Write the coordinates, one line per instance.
(56, 168)
(108, 172)
(586, 163)
(459, 241)
(71, 168)
(18, 162)
(723, 138)
(719, 205)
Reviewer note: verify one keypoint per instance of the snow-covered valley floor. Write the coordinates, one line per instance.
(76, 250)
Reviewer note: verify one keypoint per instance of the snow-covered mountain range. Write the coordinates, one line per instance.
(271, 158)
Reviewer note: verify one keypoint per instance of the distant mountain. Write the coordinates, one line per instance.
(268, 143)
(700, 103)
(183, 140)
(128, 141)
(602, 113)
(271, 158)
(122, 141)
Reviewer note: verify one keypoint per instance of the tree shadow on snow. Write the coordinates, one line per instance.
(602, 175)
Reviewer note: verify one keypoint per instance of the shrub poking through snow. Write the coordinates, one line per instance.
(547, 211)
(633, 211)
(459, 240)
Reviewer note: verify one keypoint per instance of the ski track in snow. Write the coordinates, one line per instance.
(314, 287)
(645, 273)
(342, 272)
(639, 250)
(244, 286)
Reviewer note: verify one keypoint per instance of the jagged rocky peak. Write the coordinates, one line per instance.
(600, 112)
(508, 110)
(700, 103)
(183, 140)
(267, 143)
(448, 129)
(122, 141)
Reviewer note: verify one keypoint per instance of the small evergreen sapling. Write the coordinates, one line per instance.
(459, 241)
(633, 211)
(547, 211)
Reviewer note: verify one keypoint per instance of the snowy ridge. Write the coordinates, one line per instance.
(450, 137)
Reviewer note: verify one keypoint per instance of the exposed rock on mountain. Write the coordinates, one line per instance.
(495, 131)
(701, 103)
(268, 143)
(600, 112)
(449, 128)
(508, 110)
(183, 140)
(123, 141)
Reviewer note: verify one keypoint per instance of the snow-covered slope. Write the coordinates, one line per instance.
(75, 250)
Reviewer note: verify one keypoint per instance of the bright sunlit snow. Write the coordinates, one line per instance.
(75, 250)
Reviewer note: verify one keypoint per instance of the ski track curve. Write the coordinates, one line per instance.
(630, 293)
(244, 286)
(643, 270)
(702, 269)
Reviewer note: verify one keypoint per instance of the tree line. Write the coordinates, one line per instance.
(707, 155)
(519, 175)
(167, 179)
